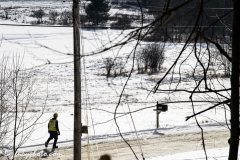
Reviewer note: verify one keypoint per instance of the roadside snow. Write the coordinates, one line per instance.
(212, 154)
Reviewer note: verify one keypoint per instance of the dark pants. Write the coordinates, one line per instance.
(53, 135)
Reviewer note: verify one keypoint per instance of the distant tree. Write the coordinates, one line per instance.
(39, 14)
(97, 11)
(6, 11)
(83, 20)
(123, 21)
(53, 16)
(66, 17)
(144, 2)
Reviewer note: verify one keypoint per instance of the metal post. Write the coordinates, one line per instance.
(157, 115)
(158, 112)
(157, 119)
(77, 82)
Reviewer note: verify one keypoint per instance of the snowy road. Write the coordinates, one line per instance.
(156, 146)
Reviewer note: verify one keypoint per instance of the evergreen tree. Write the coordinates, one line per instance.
(97, 11)
(144, 2)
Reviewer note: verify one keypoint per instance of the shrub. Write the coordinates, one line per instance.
(151, 58)
(109, 63)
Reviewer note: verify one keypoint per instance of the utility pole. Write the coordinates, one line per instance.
(234, 104)
(77, 82)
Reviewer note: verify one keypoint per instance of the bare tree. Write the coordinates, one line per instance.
(66, 17)
(199, 39)
(17, 95)
(53, 16)
(205, 85)
(109, 63)
(39, 14)
(224, 63)
(234, 143)
(6, 11)
(4, 110)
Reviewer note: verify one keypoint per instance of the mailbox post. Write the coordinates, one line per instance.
(160, 108)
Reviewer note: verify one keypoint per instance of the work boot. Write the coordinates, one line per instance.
(55, 143)
(46, 144)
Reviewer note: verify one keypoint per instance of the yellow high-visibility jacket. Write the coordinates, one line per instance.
(53, 125)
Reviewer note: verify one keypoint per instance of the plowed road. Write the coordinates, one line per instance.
(156, 145)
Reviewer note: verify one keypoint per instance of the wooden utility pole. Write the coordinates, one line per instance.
(77, 82)
(234, 142)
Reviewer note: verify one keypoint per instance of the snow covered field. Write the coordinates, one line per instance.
(47, 54)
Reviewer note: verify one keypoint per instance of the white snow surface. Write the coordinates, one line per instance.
(213, 154)
(47, 54)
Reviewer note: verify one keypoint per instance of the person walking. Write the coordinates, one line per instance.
(53, 130)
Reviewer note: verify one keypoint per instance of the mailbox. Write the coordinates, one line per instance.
(85, 129)
(161, 107)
